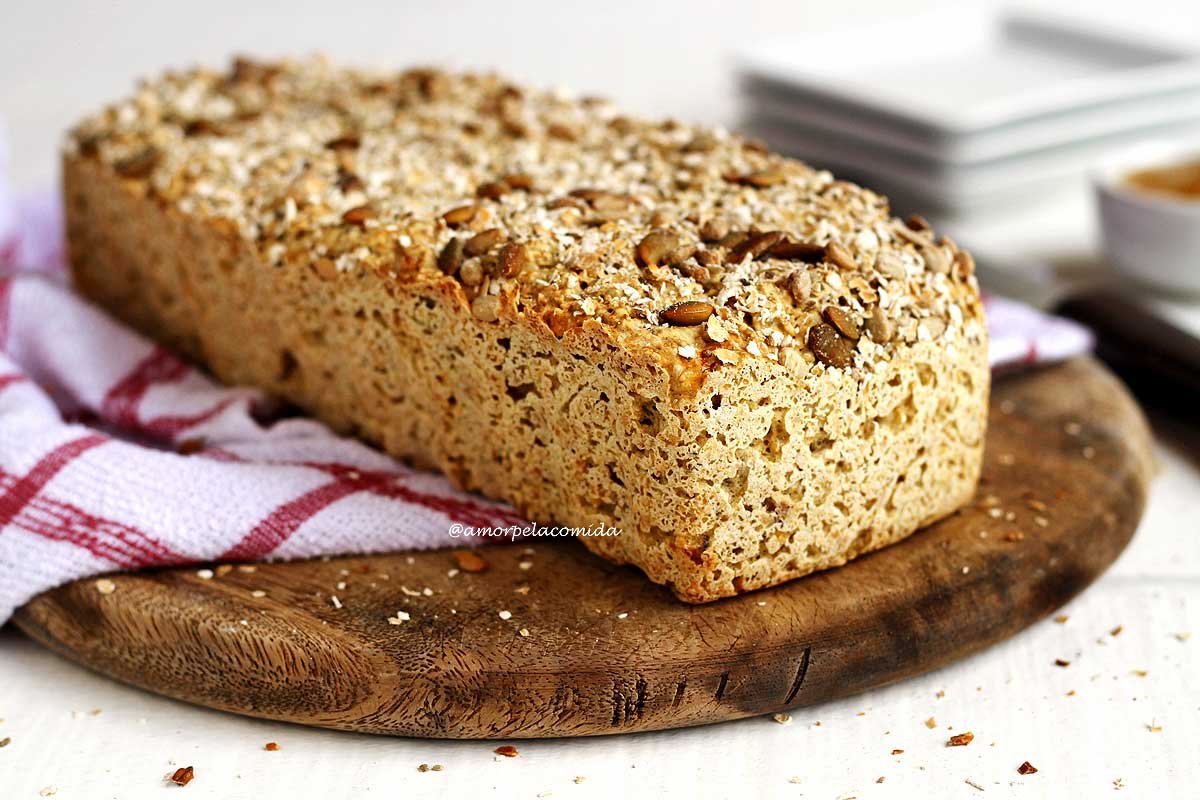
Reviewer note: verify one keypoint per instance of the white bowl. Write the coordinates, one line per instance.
(1153, 239)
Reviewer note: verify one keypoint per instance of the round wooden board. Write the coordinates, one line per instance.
(608, 652)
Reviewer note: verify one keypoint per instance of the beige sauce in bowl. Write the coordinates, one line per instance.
(1178, 181)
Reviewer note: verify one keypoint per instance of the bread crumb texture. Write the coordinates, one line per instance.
(745, 364)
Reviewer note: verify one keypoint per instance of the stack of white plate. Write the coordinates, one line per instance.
(967, 110)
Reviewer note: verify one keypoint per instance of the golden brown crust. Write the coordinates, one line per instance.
(743, 363)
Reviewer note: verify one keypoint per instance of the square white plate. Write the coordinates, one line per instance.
(958, 73)
(1042, 132)
(929, 185)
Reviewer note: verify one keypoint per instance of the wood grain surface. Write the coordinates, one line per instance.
(590, 648)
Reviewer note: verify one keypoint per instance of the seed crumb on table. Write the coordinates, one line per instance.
(182, 776)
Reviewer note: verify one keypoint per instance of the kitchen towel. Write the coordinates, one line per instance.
(116, 455)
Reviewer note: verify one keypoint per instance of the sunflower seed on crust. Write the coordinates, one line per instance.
(140, 164)
(841, 320)
(512, 259)
(936, 259)
(358, 215)
(879, 326)
(760, 179)
(890, 264)
(484, 241)
(655, 247)
(839, 256)
(714, 230)
(451, 256)
(789, 250)
(687, 312)
(460, 216)
(829, 346)
(754, 246)
(800, 285)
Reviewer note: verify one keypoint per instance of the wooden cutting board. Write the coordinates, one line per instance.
(552, 641)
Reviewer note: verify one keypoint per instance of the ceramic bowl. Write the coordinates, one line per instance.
(1151, 238)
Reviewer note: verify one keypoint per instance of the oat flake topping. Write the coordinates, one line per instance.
(695, 240)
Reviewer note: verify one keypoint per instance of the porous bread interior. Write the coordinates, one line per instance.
(738, 479)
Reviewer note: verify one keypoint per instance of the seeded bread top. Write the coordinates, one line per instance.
(698, 243)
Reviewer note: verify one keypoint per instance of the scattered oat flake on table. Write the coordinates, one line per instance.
(506, 750)
(1026, 768)
(182, 776)
(6, 741)
(272, 746)
(580, 779)
(960, 739)
(422, 768)
(897, 751)
(1061, 619)
(782, 719)
(1116, 631)
(1183, 637)
(436, 768)
(931, 723)
(1141, 673)
(48, 791)
(469, 562)
(1119, 783)
(1061, 662)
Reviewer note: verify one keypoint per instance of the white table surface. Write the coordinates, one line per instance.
(1124, 717)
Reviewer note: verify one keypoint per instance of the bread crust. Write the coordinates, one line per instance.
(731, 457)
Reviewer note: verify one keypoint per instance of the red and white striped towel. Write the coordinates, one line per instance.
(91, 416)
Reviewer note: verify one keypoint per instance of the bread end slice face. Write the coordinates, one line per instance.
(776, 476)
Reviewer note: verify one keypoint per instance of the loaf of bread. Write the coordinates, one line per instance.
(742, 363)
